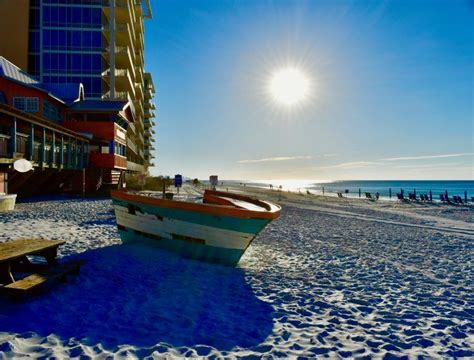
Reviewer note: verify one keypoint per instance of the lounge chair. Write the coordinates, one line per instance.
(400, 196)
(368, 195)
(339, 194)
(457, 200)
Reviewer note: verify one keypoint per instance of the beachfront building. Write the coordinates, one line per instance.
(96, 43)
(74, 144)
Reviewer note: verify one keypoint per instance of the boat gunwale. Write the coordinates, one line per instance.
(211, 209)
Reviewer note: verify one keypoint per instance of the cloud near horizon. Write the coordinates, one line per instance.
(352, 165)
(427, 157)
(280, 158)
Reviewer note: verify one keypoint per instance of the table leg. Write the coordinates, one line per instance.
(6, 276)
(50, 255)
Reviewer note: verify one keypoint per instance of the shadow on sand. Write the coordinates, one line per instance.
(141, 296)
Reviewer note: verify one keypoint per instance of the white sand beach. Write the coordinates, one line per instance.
(339, 278)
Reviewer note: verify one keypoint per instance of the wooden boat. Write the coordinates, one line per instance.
(217, 227)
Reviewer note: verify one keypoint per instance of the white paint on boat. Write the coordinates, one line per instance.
(149, 223)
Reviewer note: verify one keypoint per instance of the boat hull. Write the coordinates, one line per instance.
(203, 236)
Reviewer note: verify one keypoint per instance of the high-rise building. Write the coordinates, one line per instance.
(98, 43)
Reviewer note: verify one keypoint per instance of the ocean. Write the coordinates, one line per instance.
(383, 187)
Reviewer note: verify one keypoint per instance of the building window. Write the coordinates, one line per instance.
(119, 149)
(26, 104)
(51, 112)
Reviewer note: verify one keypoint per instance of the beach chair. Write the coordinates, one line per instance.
(400, 197)
(368, 195)
(339, 194)
(442, 197)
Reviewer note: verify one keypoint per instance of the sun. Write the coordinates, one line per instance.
(289, 86)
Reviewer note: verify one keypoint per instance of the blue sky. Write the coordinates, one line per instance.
(391, 89)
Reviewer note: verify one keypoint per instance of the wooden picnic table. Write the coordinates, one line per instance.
(15, 253)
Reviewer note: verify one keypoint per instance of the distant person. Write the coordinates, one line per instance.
(377, 195)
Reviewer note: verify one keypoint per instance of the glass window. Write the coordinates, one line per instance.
(51, 112)
(76, 63)
(86, 17)
(76, 40)
(34, 41)
(86, 39)
(76, 16)
(26, 104)
(96, 40)
(46, 15)
(34, 18)
(96, 17)
(62, 39)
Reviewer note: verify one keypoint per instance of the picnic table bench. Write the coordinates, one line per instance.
(13, 258)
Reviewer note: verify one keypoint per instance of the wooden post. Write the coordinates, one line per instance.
(323, 190)
(74, 155)
(68, 153)
(360, 193)
(465, 196)
(43, 148)
(52, 153)
(390, 193)
(81, 155)
(31, 143)
(431, 196)
(61, 152)
(13, 138)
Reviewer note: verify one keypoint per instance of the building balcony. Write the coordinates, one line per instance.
(132, 146)
(139, 72)
(149, 114)
(132, 166)
(123, 80)
(139, 91)
(150, 105)
(139, 107)
(109, 161)
(123, 36)
(123, 58)
(100, 131)
(124, 10)
(149, 122)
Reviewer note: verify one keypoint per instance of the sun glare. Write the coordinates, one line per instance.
(289, 86)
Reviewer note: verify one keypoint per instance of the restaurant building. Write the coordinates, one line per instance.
(75, 144)
(96, 43)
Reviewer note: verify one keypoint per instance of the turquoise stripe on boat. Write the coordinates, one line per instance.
(229, 257)
(250, 226)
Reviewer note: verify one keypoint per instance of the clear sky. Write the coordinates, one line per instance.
(390, 89)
